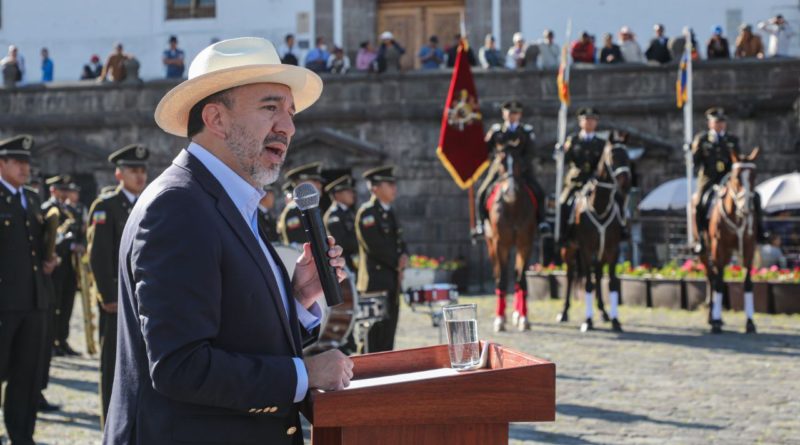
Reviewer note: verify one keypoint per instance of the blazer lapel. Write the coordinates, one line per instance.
(234, 219)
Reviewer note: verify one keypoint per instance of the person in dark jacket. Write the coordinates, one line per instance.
(658, 51)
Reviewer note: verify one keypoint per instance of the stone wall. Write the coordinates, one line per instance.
(396, 118)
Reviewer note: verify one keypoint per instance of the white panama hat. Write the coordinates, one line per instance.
(387, 35)
(231, 63)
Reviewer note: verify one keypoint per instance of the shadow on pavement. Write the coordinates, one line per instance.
(609, 415)
(526, 432)
(786, 345)
(72, 419)
(77, 385)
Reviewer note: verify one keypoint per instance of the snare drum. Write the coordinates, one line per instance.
(442, 293)
(337, 322)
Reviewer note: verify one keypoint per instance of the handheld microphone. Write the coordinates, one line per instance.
(306, 196)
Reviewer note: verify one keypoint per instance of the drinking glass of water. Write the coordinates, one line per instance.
(461, 321)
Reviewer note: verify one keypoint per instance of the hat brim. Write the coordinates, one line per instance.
(172, 112)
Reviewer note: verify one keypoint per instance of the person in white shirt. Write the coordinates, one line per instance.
(631, 51)
(515, 57)
(549, 52)
(780, 34)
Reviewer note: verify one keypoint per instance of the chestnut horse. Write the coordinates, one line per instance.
(732, 228)
(598, 224)
(512, 223)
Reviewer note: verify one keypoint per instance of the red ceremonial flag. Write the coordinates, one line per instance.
(462, 149)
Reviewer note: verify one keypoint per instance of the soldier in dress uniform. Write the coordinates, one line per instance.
(340, 218)
(711, 153)
(266, 219)
(382, 253)
(290, 226)
(68, 241)
(108, 215)
(582, 152)
(518, 139)
(25, 291)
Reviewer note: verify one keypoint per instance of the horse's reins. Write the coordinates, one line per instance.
(745, 196)
(611, 209)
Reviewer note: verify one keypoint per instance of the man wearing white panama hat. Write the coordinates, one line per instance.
(211, 327)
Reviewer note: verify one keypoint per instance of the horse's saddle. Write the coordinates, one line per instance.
(496, 190)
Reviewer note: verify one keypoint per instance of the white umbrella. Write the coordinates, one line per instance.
(780, 193)
(670, 195)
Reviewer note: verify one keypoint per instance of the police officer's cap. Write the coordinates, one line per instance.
(17, 147)
(62, 182)
(133, 155)
(716, 113)
(308, 172)
(512, 106)
(344, 182)
(588, 112)
(380, 174)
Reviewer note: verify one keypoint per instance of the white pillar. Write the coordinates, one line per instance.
(337, 23)
(495, 25)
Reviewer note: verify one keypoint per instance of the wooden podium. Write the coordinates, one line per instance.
(473, 407)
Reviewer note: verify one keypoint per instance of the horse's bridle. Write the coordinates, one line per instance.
(741, 205)
(612, 211)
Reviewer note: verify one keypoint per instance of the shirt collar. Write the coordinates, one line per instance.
(10, 187)
(585, 135)
(385, 206)
(244, 196)
(341, 206)
(131, 197)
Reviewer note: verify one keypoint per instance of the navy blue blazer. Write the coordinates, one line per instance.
(204, 349)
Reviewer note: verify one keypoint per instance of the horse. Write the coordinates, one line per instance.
(512, 223)
(599, 223)
(731, 228)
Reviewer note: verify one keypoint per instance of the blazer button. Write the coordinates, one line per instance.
(35, 268)
(291, 431)
(252, 410)
(274, 409)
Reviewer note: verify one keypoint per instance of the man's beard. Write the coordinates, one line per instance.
(247, 150)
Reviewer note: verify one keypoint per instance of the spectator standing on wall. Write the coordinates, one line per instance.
(610, 53)
(582, 50)
(631, 51)
(389, 54)
(11, 67)
(515, 57)
(173, 59)
(114, 66)
(658, 51)
(678, 43)
(286, 51)
(317, 58)
(780, 33)
(549, 52)
(365, 58)
(338, 62)
(717, 46)
(452, 52)
(92, 69)
(431, 57)
(748, 44)
(488, 55)
(47, 66)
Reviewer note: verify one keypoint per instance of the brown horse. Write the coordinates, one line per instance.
(731, 228)
(512, 223)
(597, 232)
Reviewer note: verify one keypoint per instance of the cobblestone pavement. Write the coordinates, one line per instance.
(665, 380)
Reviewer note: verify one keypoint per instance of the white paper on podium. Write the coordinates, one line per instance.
(401, 378)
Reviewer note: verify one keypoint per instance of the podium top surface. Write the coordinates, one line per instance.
(418, 386)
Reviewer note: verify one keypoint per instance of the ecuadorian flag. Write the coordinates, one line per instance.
(683, 77)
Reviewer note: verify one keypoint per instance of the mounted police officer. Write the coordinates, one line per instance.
(382, 254)
(25, 290)
(266, 219)
(582, 152)
(108, 214)
(340, 218)
(516, 138)
(711, 154)
(290, 226)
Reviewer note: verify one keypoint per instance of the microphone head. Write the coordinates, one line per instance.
(306, 196)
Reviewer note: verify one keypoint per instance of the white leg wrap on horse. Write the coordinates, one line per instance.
(716, 306)
(614, 297)
(589, 304)
(748, 304)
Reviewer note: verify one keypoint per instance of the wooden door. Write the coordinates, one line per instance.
(413, 21)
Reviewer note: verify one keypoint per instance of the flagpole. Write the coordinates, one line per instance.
(687, 137)
(562, 136)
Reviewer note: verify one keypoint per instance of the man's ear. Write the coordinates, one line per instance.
(215, 119)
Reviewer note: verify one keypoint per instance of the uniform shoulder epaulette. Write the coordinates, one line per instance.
(527, 127)
(496, 127)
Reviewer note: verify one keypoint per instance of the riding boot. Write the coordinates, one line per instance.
(541, 215)
(477, 231)
(700, 222)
